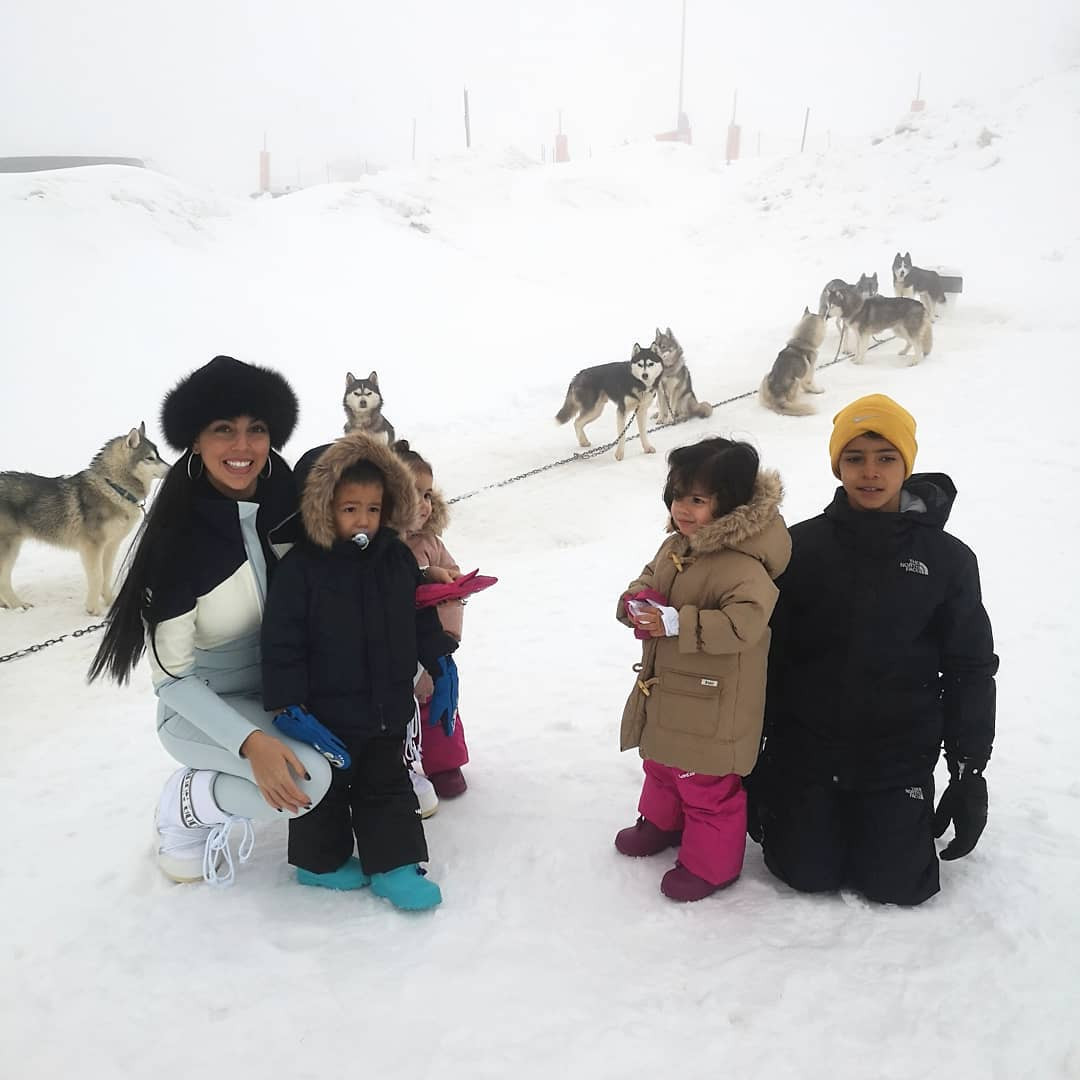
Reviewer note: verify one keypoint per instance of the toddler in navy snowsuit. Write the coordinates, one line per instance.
(342, 636)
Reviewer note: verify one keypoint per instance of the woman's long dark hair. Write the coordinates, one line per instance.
(151, 557)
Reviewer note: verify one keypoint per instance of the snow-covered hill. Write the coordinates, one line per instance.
(476, 287)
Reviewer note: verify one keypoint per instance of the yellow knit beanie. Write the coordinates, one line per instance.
(879, 414)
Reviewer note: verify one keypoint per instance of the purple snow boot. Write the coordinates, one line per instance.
(645, 838)
(679, 884)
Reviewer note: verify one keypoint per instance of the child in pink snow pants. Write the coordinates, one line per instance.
(702, 609)
(442, 752)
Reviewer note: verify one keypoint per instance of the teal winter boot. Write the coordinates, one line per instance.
(350, 875)
(406, 888)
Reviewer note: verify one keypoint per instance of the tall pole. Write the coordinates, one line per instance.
(682, 65)
(468, 133)
(806, 124)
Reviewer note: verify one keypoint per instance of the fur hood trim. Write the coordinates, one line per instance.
(224, 388)
(440, 514)
(317, 498)
(744, 522)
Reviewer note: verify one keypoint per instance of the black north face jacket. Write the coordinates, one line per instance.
(881, 651)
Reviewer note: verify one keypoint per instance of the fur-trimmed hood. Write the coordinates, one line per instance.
(746, 528)
(440, 514)
(317, 497)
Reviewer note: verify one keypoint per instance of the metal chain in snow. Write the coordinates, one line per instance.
(593, 451)
(30, 649)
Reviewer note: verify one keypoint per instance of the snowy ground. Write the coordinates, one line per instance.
(477, 287)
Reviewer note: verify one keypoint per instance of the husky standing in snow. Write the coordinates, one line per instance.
(909, 280)
(907, 319)
(793, 369)
(363, 402)
(866, 286)
(629, 384)
(90, 512)
(675, 389)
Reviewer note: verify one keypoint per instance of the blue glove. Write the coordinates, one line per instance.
(442, 708)
(296, 722)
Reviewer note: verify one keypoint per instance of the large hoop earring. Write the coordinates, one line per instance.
(191, 457)
(268, 468)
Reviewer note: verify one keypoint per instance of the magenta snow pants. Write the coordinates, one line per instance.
(710, 810)
(440, 752)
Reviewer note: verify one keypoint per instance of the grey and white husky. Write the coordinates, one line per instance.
(910, 280)
(675, 391)
(866, 286)
(793, 369)
(363, 402)
(90, 512)
(629, 384)
(907, 319)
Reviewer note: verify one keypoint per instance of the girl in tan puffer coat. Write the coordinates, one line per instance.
(702, 608)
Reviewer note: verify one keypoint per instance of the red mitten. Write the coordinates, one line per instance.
(466, 585)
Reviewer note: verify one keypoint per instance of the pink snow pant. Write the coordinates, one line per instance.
(710, 810)
(440, 752)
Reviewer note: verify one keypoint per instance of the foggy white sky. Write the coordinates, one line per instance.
(192, 84)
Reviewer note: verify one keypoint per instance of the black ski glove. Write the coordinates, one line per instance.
(964, 804)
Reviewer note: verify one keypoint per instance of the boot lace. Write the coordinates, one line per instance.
(218, 868)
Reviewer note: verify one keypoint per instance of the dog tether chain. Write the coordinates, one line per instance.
(31, 649)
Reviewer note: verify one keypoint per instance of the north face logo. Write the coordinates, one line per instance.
(915, 793)
(913, 566)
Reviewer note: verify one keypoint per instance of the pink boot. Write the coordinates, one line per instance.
(680, 884)
(645, 838)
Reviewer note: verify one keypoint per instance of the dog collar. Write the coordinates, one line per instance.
(123, 492)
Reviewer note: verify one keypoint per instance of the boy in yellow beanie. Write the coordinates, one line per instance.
(881, 654)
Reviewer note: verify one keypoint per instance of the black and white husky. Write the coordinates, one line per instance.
(363, 402)
(793, 369)
(910, 280)
(629, 384)
(907, 319)
(90, 512)
(675, 391)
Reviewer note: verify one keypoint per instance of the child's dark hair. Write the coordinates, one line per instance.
(715, 466)
(365, 472)
(411, 457)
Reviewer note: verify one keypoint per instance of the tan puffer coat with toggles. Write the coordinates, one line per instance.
(699, 698)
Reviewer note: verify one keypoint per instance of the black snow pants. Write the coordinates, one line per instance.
(820, 838)
(373, 801)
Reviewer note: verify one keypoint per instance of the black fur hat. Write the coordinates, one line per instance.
(225, 388)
